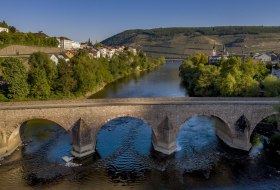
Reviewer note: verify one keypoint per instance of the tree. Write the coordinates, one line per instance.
(66, 82)
(41, 60)
(12, 29)
(4, 24)
(39, 86)
(271, 86)
(14, 73)
(227, 85)
(206, 85)
(84, 73)
(231, 77)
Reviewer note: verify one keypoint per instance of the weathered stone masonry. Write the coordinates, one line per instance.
(164, 115)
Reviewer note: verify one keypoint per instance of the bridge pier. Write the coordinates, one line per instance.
(164, 140)
(83, 139)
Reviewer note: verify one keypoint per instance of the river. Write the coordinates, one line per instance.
(125, 158)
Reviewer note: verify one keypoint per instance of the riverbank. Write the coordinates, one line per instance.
(80, 78)
(82, 97)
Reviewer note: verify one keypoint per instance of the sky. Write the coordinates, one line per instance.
(100, 19)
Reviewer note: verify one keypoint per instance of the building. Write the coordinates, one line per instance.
(262, 57)
(133, 51)
(76, 45)
(4, 29)
(103, 52)
(98, 54)
(63, 57)
(67, 44)
(69, 54)
(54, 58)
(217, 58)
(214, 51)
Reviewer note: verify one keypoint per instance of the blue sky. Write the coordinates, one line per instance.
(99, 19)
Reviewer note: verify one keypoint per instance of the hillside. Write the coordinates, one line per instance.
(15, 37)
(178, 42)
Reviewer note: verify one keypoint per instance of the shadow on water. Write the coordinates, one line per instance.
(124, 146)
(44, 145)
(126, 151)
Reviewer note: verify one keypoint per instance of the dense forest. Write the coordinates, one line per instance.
(42, 79)
(19, 38)
(231, 77)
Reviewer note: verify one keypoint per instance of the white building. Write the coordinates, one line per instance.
(76, 45)
(103, 52)
(4, 29)
(134, 51)
(65, 58)
(111, 53)
(262, 57)
(54, 58)
(67, 44)
(98, 54)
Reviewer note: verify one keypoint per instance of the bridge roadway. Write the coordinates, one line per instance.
(236, 118)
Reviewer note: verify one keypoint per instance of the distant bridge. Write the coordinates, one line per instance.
(236, 119)
(176, 60)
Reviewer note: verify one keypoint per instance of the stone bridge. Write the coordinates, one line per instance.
(236, 119)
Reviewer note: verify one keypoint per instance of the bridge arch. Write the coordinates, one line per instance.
(15, 139)
(107, 120)
(260, 119)
(104, 123)
(222, 127)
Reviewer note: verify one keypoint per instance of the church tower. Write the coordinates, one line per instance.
(214, 51)
(225, 53)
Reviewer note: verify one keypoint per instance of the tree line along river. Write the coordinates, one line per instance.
(125, 158)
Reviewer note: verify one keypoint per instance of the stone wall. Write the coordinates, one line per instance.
(14, 50)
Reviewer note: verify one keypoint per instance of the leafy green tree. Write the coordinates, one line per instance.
(14, 73)
(12, 29)
(81, 76)
(206, 84)
(271, 86)
(40, 88)
(42, 61)
(66, 82)
(231, 77)
(84, 73)
(4, 24)
(227, 85)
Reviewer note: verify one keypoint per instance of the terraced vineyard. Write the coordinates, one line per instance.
(179, 42)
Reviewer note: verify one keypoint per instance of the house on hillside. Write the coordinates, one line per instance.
(4, 29)
(76, 45)
(87, 45)
(67, 44)
(103, 52)
(69, 54)
(275, 58)
(265, 57)
(94, 53)
(54, 58)
(63, 57)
